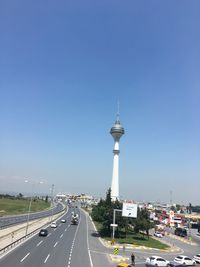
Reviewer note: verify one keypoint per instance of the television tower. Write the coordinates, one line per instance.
(116, 131)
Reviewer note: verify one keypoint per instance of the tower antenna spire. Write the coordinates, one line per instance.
(118, 110)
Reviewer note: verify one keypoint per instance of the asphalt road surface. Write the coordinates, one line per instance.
(16, 219)
(79, 246)
(67, 245)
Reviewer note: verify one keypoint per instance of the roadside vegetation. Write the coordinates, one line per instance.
(130, 230)
(12, 205)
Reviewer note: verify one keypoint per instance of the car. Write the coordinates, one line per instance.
(196, 258)
(184, 260)
(53, 225)
(43, 232)
(156, 260)
(175, 264)
(158, 234)
(180, 232)
(124, 264)
(63, 221)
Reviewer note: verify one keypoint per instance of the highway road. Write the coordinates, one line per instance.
(67, 245)
(78, 246)
(16, 219)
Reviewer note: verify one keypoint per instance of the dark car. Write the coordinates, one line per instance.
(175, 264)
(43, 232)
(180, 232)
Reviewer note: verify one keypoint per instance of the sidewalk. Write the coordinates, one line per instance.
(13, 233)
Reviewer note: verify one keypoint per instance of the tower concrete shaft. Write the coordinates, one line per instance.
(116, 131)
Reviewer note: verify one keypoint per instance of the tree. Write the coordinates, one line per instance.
(20, 195)
(142, 222)
(190, 208)
(103, 213)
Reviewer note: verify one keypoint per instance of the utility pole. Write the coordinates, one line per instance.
(114, 224)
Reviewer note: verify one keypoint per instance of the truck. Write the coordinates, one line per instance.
(74, 219)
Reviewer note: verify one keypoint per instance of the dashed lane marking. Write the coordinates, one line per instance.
(55, 244)
(39, 243)
(47, 258)
(61, 236)
(25, 257)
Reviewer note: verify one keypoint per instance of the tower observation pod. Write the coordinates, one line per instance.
(116, 131)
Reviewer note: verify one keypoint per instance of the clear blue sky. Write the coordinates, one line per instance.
(63, 67)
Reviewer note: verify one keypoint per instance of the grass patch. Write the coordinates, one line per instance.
(134, 239)
(19, 206)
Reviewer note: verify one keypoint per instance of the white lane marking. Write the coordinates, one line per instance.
(47, 258)
(55, 244)
(91, 263)
(61, 236)
(70, 255)
(25, 257)
(49, 234)
(39, 243)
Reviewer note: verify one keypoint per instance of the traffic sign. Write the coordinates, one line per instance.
(129, 210)
(116, 251)
(113, 225)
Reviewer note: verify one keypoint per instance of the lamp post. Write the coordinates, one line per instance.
(52, 188)
(28, 216)
(29, 207)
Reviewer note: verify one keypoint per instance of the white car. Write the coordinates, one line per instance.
(157, 234)
(53, 225)
(184, 260)
(63, 221)
(196, 258)
(156, 260)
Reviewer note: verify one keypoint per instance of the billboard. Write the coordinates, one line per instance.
(129, 210)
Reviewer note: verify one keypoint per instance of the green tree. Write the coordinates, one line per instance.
(142, 222)
(20, 195)
(103, 213)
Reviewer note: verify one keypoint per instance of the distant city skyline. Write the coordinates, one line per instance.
(65, 65)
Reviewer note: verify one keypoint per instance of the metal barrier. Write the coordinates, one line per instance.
(3, 250)
(6, 248)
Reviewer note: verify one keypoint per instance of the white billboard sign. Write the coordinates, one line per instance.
(129, 210)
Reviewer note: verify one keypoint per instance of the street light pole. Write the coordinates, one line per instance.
(29, 207)
(52, 188)
(28, 216)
